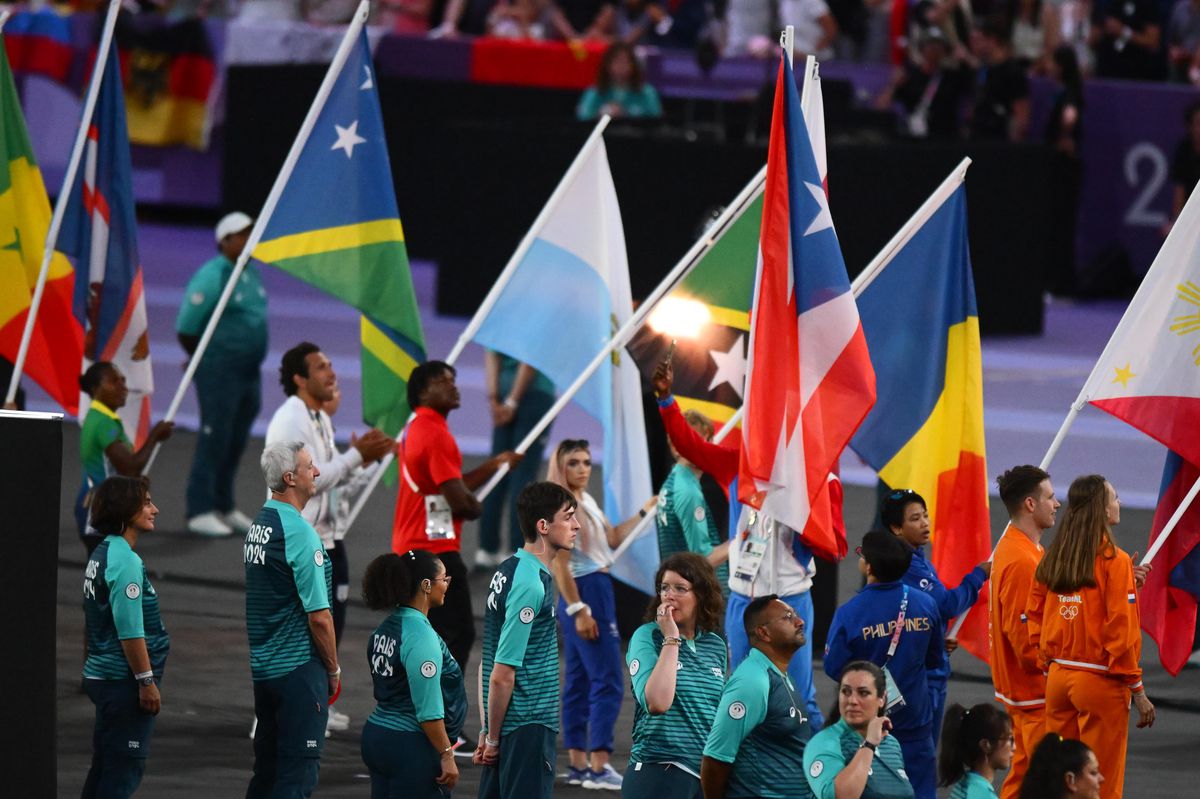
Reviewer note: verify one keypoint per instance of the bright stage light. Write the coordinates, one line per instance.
(679, 318)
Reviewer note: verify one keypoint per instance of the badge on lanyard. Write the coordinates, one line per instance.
(753, 547)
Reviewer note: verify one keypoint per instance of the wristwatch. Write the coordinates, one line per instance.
(146, 681)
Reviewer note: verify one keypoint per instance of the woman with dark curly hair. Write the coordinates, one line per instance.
(677, 663)
(1062, 768)
(1083, 618)
(126, 643)
(407, 742)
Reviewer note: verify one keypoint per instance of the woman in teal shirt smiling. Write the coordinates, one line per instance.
(621, 89)
(976, 742)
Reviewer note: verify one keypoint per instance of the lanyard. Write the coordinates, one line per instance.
(899, 625)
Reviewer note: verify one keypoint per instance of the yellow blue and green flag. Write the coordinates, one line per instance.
(337, 227)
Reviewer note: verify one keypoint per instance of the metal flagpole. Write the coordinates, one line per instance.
(260, 224)
(60, 205)
(1172, 523)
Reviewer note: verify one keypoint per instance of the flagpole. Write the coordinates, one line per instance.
(4, 15)
(681, 268)
(260, 224)
(60, 205)
(1172, 523)
(527, 241)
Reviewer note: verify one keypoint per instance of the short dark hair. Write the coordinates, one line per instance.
(392, 579)
(1052, 759)
(710, 604)
(1018, 483)
(541, 500)
(891, 510)
(753, 611)
(888, 556)
(90, 380)
(295, 362)
(116, 501)
(422, 376)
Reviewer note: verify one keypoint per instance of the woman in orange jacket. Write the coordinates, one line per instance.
(1084, 621)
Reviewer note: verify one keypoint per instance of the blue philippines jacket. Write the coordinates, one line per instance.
(950, 601)
(862, 630)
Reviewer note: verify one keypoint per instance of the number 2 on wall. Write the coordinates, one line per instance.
(1139, 212)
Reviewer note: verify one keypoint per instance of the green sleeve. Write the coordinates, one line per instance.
(125, 575)
(199, 299)
(743, 706)
(589, 105)
(653, 106)
(520, 609)
(306, 556)
(823, 761)
(422, 659)
(693, 517)
(641, 658)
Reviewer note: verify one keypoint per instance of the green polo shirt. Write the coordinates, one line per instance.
(684, 521)
(519, 630)
(120, 604)
(832, 748)
(972, 786)
(240, 338)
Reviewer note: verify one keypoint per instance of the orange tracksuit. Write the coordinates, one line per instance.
(1016, 674)
(1091, 640)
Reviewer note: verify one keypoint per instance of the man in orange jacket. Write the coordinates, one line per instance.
(1018, 680)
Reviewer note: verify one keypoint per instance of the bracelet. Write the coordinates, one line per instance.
(489, 742)
(449, 748)
(575, 607)
(509, 402)
(144, 675)
(673, 640)
(337, 673)
(642, 512)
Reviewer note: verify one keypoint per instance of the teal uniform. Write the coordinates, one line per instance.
(972, 786)
(833, 747)
(519, 630)
(415, 677)
(416, 680)
(119, 604)
(635, 103)
(101, 428)
(761, 729)
(288, 576)
(684, 522)
(241, 335)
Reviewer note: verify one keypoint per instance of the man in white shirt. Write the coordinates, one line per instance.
(309, 382)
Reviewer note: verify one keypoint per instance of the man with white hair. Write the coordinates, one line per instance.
(293, 654)
(227, 377)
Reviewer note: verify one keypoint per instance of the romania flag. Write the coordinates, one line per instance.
(337, 227)
(926, 431)
(56, 349)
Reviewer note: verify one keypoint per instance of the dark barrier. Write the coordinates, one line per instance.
(30, 486)
(473, 165)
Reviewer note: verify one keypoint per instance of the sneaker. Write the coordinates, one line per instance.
(338, 722)
(576, 776)
(486, 561)
(608, 779)
(463, 747)
(209, 524)
(238, 521)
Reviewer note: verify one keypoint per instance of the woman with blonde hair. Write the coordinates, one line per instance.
(1083, 619)
(587, 615)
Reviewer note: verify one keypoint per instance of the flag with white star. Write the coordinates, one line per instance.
(337, 227)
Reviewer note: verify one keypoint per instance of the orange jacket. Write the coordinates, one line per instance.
(1096, 629)
(1016, 675)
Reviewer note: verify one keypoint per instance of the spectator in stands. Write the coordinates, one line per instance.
(528, 19)
(814, 24)
(464, 16)
(851, 18)
(405, 16)
(929, 92)
(1028, 32)
(748, 27)
(1064, 131)
(952, 17)
(1185, 165)
(590, 19)
(1062, 768)
(621, 89)
(677, 24)
(1001, 109)
(1126, 37)
(1068, 22)
(1183, 42)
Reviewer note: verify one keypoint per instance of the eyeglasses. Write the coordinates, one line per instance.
(789, 617)
(667, 588)
(445, 578)
(569, 444)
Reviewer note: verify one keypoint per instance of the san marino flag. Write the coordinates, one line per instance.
(337, 227)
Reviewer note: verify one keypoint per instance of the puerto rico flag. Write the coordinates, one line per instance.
(809, 378)
(99, 231)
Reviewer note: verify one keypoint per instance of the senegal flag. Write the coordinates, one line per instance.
(708, 315)
(337, 227)
(56, 348)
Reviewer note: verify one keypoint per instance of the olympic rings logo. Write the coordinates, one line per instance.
(1068, 612)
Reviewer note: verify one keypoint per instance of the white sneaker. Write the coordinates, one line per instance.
(338, 722)
(607, 779)
(485, 560)
(238, 521)
(209, 524)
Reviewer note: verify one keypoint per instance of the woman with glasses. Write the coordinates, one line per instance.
(856, 757)
(976, 742)
(587, 616)
(904, 513)
(1083, 618)
(677, 664)
(420, 700)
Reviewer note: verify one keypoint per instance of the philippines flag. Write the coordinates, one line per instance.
(809, 382)
(99, 231)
